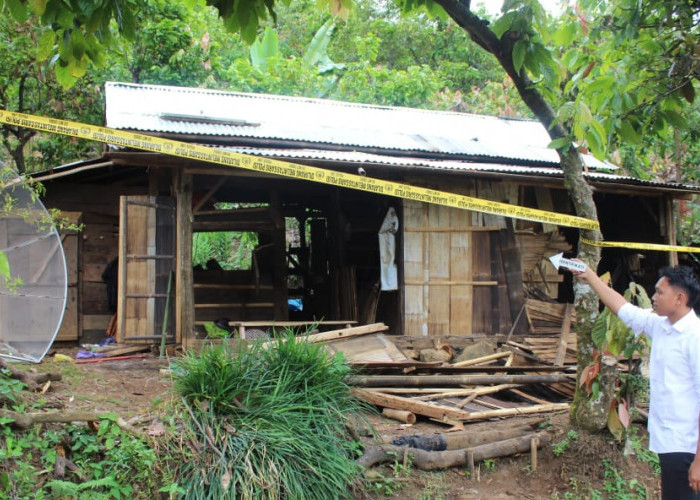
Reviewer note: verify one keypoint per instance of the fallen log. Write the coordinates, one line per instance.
(458, 440)
(33, 381)
(28, 420)
(434, 460)
(452, 380)
(436, 411)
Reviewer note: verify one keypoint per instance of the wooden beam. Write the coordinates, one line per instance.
(184, 291)
(418, 407)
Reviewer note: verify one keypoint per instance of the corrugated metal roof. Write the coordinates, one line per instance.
(203, 112)
(358, 158)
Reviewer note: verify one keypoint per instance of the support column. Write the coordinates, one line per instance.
(184, 292)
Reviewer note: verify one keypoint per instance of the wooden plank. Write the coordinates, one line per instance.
(432, 410)
(184, 292)
(438, 266)
(481, 270)
(479, 391)
(461, 297)
(122, 350)
(564, 336)
(415, 307)
(96, 321)
(513, 274)
(121, 282)
(340, 334)
(70, 326)
(375, 347)
(509, 412)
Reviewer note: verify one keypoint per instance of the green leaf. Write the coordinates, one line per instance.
(46, 44)
(519, 51)
(264, 49)
(566, 112)
(595, 142)
(4, 266)
(18, 10)
(4, 481)
(614, 425)
(600, 328)
(38, 7)
(583, 113)
(560, 143)
(503, 23)
(628, 133)
(64, 76)
(675, 119)
(564, 34)
(317, 49)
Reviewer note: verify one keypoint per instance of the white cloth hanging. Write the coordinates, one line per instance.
(387, 251)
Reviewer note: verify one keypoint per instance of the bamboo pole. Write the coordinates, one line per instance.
(525, 410)
(483, 359)
(400, 415)
(448, 380)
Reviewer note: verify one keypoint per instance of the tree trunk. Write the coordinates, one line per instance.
(586, 412)
(434, 460)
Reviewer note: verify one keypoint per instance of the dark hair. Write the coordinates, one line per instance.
(684, 278)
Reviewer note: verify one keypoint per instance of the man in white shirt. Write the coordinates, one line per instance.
(674, 373)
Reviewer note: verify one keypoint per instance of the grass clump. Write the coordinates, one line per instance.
(265, 423)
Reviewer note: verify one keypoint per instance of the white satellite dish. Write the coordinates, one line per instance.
(33, 300)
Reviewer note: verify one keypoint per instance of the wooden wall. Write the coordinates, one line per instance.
(95, 246)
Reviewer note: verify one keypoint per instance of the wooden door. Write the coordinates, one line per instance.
(457, 275)
(70, 326)
(146, 268)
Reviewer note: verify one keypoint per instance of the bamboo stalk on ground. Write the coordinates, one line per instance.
(447, 380)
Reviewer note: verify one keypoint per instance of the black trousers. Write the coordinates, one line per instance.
(674, 476)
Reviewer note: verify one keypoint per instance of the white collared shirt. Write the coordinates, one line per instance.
(674, 377)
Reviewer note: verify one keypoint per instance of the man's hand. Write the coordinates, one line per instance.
(609, 296)
(694, 475)
(583, 275)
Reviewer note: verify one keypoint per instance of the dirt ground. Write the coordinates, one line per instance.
(140, 388)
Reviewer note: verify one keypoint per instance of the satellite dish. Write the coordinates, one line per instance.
(33, 299)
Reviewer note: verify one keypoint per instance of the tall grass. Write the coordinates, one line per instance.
(266, 423)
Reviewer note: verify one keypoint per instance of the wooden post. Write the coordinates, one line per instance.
(534, 443)
(563, 336)
(184, 290)
(671, 229)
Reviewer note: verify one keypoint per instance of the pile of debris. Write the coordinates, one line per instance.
(462, 380)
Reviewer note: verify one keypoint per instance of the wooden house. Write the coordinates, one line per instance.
(459, 273)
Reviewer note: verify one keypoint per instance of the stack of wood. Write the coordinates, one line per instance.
(539, 276)
(499, 385)
(551, 336)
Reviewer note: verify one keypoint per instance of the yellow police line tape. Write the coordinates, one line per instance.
(308, 173)
(640, 246)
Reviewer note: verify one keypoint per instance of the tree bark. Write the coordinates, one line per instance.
(586, 410)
